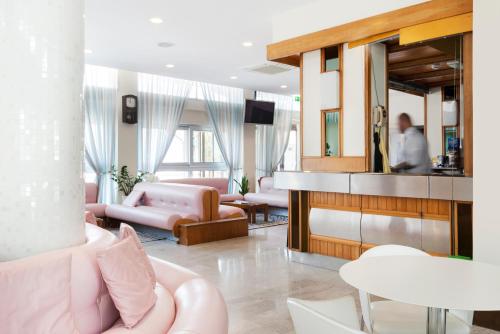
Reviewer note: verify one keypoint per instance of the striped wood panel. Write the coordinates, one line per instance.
(392, 206)
(338, 201)
(436, 209)
(345, 249)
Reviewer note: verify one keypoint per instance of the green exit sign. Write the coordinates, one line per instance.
(297, 98)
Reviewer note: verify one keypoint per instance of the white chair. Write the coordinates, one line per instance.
(391, 317)
(337, 316)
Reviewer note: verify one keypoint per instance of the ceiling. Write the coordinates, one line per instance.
(207, 38)
(424, 65)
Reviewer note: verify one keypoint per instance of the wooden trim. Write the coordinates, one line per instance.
(323, 59)
(425, 116)
(336, 201)
(333, 164)
(201, 232)
(378, 24)
(435, 29)
(372, 39)
(329, 246)
(179, 223)
(323, 132)
(368, 110)
(293, 60)
(467, 98)
(301, 148)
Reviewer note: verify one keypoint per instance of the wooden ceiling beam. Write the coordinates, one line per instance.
(419, 62)
(442, 83)
(293, 60)
(426, 75)
(397, 19)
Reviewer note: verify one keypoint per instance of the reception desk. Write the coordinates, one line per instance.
(343, 214)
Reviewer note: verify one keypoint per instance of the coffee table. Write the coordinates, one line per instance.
(251, 209)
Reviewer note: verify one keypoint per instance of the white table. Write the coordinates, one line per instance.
(440, 284)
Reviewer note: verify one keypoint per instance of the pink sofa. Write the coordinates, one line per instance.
(169, 205)
(268, 194)
(98, 209)
(220, 184)
(198, 305)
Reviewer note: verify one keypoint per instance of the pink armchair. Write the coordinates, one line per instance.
(91, 191)
(186, 302)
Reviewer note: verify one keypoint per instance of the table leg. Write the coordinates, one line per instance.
(436, 320)
(266, 213)
(249, 216)
(254, 216)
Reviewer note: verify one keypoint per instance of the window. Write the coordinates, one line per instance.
(330, 60)
(194, 152)
(331, 133)
(290, 158)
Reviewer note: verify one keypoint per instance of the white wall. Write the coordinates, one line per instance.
(486, 119)
(311, 103)
(127, 133)
(322, 14)
(400, 102)
(353, 112)
(434, 122)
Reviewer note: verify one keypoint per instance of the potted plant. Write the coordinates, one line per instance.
(244, 187)
(124, 180)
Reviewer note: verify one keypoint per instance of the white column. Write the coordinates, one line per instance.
(41, 126)
(486, 227)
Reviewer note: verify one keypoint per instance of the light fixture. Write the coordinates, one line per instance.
(233, 77)
(247, 44)
(156, 20)
(87, 51)
(283, 86)
(170, 66)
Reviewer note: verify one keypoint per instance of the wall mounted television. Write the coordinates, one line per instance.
(259, 112)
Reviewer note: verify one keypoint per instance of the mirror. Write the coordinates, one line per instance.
(425, 81)
(331, 120)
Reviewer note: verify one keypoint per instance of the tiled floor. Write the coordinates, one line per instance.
(255, 276)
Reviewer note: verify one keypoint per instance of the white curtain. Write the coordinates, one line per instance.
(100, 91)
(272, 140)
(161, 103)
(225, 108)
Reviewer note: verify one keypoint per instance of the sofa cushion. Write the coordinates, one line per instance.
(230, 197)
(226, 211)
(123, 269)
(220, 184)
(146, 215)
(272, 199)
(98, 209)
(36, 295)
(196, 301)
(126, 231)
(185, 198)
(134, 198)
(91, 190)
(158, 320)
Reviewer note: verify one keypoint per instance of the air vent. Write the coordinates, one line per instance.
(270, 68)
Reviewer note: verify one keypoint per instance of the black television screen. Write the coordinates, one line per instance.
(259, 112)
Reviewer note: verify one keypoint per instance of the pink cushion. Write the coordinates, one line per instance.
(90, 218)
(98, 209)
(230, 197)
(226, 211)
(127, 279)
(272, 199)
(158, 320)
(91, 190)
(133, 198)
(220, 184)
(36, 295)
(127, 231)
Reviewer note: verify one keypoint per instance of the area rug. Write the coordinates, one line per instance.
(276, 217)
(149, 234)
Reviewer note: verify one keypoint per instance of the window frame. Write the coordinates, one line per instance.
(191, 166)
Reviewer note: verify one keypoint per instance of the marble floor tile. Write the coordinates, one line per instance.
(256, 276)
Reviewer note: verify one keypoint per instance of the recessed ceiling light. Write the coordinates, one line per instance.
(247, 44)
(233, 77)
(156, 20)
(170, 66)
(87, 51)
(283, 86)
(165, 44)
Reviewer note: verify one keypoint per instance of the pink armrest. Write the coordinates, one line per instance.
(170, 275)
